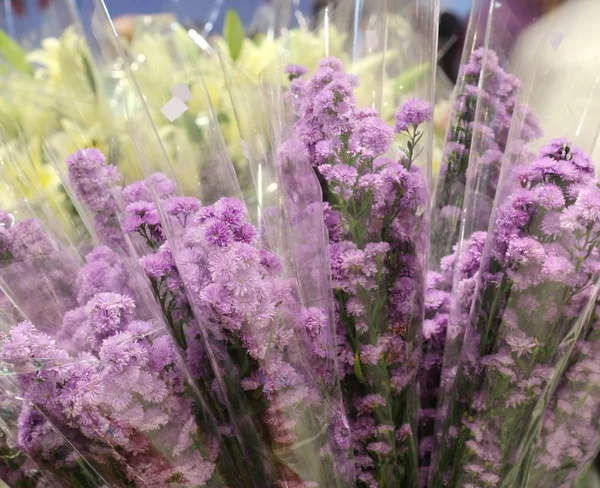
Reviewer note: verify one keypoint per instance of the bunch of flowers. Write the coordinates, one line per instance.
(374, 211)
(534, 297)
(110, 382)
(486, 85)
(253, 349)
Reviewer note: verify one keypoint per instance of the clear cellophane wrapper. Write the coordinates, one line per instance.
(485, 103)
(258, 377)
(525, 323)
(378, 381)
(87, 346)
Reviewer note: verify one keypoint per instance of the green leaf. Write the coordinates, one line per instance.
(357, 368)
(233, 32)
(245, 367)
(14, 55)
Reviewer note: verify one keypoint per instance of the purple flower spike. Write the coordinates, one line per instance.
(295, 70)
(413, 113)
(91, 177)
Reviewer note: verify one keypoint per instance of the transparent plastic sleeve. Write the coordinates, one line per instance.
(288, 211)
(484, 97)
(533, 296)
(116, 214)
(333, 125)
(485, 102)
(90, 178)
(242, 332)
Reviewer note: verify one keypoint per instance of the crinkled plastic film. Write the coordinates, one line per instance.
(527, 324)
(270, 457)
(116, 147)
(166, 65)
(299, 431)
(484, 69)
(388, 71)
(485, 104)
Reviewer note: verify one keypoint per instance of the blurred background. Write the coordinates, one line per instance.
(259, 17)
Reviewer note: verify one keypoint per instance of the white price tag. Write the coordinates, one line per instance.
(174, 109)
(182, 92)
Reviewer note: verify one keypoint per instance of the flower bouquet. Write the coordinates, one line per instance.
(375, 192)
(534, 297)
(525, 321)
(258, 349)
(98, 365)
(484, 107)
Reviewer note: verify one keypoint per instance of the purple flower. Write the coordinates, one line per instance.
(137, 191)
(6, 219)
(92, 178)
(231, 211)
(162, 186)
(140, 214)
(371, 137)
(156, 265)
(369, 403)
(182, 207)
(382, 448)
(218, 233)
(109, 312)
(104, 271)
(413, 113)
(28, 239)
(295, 70)
(520, 344)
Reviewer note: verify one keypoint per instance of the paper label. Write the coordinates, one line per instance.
(174, 109)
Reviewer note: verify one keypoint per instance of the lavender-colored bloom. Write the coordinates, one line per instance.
(295, 70)
(218, 233)
(371, 137)
(28, 239)
(140, 214)
(136, 191)
(109, 312)
(162, 186)
(182, 207)
(91, 177)
(103, 272)
(413, 113)
(381, 448)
